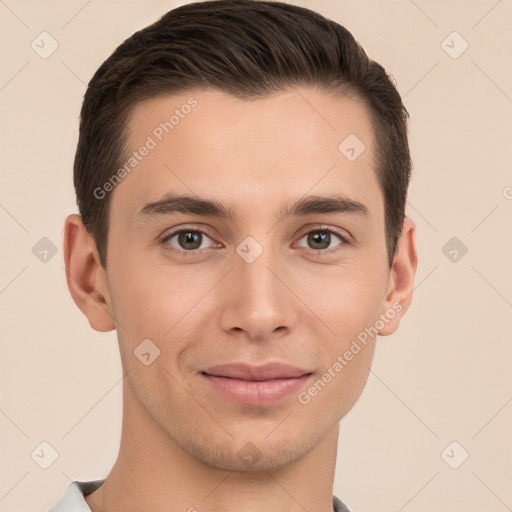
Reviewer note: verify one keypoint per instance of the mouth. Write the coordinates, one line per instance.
(256, 386)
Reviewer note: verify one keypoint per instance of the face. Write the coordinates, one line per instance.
(277, 256)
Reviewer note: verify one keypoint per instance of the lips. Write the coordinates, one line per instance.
(256, 386)
(269, 371)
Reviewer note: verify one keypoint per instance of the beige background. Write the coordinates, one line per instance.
(444, 376)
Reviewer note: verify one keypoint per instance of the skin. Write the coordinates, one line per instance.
(181, 440)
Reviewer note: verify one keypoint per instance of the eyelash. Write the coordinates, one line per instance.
(322, 229)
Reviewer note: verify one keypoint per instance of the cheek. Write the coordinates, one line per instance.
(334, 392)
(154, 298)
(349, 306)
(158, 303)
(347, 301)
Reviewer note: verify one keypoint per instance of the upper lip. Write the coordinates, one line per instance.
(244, 371)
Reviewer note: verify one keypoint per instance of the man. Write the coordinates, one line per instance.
(241, 174)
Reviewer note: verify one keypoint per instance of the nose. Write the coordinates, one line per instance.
(258, 302)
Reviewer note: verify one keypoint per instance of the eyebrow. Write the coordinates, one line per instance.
(314, 204)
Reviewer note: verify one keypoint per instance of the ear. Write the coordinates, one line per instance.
(401, 279)
(86, 278)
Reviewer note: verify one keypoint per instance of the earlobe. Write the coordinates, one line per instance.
(401, 279)
(85, 276)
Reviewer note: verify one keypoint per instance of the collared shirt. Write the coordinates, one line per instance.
(74, 498)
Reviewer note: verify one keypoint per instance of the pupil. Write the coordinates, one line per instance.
(188, 237)
(323, 239)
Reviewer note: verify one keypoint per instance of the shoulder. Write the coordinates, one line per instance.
(338, 505)
(73, 499)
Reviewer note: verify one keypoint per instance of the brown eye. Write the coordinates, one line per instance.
(187, 240)
(320, 240)
(190, 240)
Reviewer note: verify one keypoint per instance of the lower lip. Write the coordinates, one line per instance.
(256, 393)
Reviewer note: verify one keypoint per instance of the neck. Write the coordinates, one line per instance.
(154, 473)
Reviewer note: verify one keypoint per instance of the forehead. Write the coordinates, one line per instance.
(209, 143)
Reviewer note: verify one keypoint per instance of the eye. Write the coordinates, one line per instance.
(187, 240)
(321, 239)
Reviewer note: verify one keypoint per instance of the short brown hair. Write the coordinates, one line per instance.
(247, 48)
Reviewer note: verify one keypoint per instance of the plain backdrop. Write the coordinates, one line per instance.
(440, 388)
